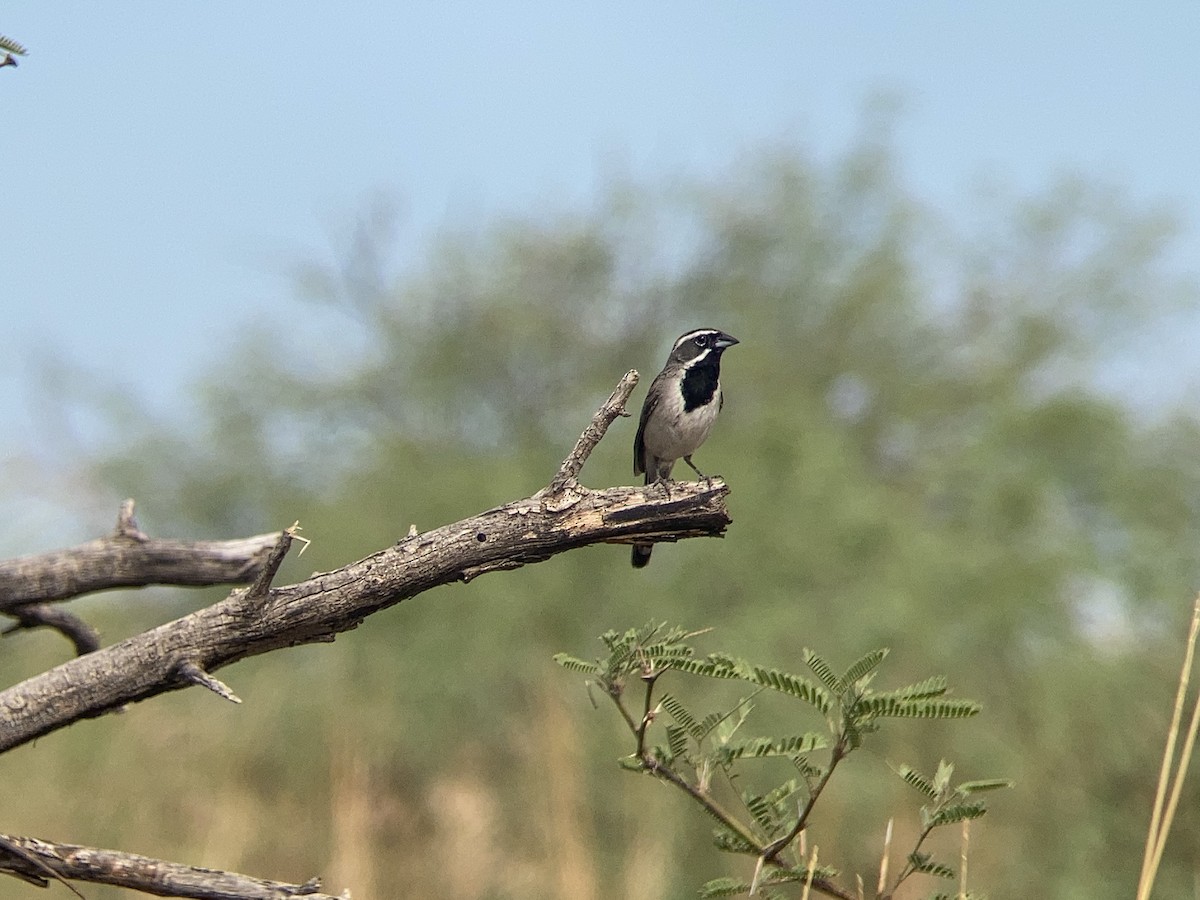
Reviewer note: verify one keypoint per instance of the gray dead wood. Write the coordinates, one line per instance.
(562, 517)
(129, 558)
(260, 618)
(37, 861)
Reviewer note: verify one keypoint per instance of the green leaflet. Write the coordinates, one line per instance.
(730, 842)
(763, 812)
(864, 666)
(577, 665)
(793, 685)
(930, 687)
(824, 672)
(8, 45)
(883, 705)
(709, 668)
(681, 715)
(925, 864)
(724, 887)
(762, 747)
(987, 784)
(914, 778)
(677, 740)
(956, 813)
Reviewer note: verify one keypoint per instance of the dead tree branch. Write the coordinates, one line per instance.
(129, 558)
(260, 618)
(36, 861)
(46, 615)
(188, 650)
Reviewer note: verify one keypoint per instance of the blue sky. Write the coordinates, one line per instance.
(164, 164)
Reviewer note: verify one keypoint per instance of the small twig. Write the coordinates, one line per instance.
(127, 526)
(191, 672)
(625, 714)
(83, 636)
(613, 407)
(294, 531)
(261, 588)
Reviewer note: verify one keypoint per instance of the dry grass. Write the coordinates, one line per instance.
(1173, 770)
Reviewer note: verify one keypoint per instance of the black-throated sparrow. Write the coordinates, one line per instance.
(680, 408)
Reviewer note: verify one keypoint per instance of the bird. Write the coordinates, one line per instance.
(680, 408)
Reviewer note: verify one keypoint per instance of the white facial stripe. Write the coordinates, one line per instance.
(692, 335)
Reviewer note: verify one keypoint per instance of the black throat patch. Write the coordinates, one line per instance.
(700, 382)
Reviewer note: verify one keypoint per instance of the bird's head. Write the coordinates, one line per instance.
(701, 342)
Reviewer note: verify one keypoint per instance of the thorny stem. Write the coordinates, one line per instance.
(614, 691)
(836, 755)
(647, 715)
(656, 768)
(909, 868)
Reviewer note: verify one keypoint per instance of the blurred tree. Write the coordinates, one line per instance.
(920, 458)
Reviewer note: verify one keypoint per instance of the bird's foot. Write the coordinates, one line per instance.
(664, 484)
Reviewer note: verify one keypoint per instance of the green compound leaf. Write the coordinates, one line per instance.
(914, 778)
(824, 673)
(923, 863)
(864, 666)
(8, 45)
(792, 685)
(677, 740)
(577, 665)
(681, 714)
(883, 705)
(988, 784)
(956, 813)
(763, 747)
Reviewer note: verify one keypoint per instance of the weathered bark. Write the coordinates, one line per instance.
(248, 623)
(260, 618)
(129, 558)
(38, 861)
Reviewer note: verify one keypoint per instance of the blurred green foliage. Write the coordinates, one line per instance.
(919, 458)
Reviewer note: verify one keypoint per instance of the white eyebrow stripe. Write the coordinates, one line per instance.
(691, 335)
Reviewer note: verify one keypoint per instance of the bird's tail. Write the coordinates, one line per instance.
(641, 554)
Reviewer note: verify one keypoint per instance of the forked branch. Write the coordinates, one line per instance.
(186, 651)
(261, 618)
(129, 558)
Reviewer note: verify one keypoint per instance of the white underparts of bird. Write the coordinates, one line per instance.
(680, 409)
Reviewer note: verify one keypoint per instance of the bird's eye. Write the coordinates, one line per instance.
(700, 340)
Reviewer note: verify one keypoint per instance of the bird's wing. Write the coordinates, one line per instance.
(639, 440)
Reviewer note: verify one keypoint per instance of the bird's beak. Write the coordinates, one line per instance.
(726, 340)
